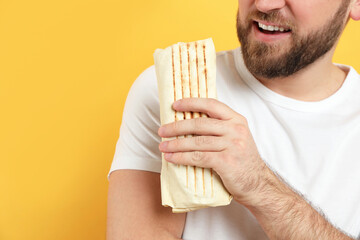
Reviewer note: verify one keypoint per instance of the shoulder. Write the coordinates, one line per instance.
(143, 91)
(145, 83)
(142, 102)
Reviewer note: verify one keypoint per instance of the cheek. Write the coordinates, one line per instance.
(245, 7)
(312, 14)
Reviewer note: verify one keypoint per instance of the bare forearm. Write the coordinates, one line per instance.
(283, 214)
(135, 211)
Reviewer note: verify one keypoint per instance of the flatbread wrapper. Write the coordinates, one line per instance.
(186, 70)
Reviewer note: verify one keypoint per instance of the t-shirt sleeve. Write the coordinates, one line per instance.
(137, 146)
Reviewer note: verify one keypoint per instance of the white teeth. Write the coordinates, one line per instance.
(271, 28)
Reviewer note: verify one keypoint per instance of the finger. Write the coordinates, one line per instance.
(212, 107)
(198, 143)
(196, 158)
(197, 126)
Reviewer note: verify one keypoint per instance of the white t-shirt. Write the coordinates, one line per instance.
(314, 146)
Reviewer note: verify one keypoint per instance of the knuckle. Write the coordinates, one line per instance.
(199, 140)
(197, 156)
(244, 121)
(241, 119)
(203, 140)
(239, 143)
(240, 129)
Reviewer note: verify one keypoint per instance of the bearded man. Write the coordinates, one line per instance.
(283, 135)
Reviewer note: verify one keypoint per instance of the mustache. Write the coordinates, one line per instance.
(275, 17)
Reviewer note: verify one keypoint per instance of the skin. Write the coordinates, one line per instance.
(282, 213)
(284, 54)
(225, 135)
(135, 210)
(320, 79)
(134, 198)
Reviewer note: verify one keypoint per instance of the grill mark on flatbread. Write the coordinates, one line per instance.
(203, 177)
(182, 77)
(198, 81)
(207, 95)
(197, 70)
(173, 71)
(182, 96)
(205, 71)
(174, 84)
(182, 82)
(188, 55)
(191, 113)
(201, 85)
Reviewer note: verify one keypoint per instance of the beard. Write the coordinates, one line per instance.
(260, 58)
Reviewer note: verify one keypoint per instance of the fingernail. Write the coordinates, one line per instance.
(163, 145)
(160, 131)
(168, 156)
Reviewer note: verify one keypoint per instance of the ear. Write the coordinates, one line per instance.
(355, 10)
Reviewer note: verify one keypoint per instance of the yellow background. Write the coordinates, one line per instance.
(65, 70)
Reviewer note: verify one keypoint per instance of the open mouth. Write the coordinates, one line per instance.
(271, 29)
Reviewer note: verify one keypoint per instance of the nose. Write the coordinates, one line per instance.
(266, 6)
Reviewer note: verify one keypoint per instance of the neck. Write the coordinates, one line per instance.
(316, 82)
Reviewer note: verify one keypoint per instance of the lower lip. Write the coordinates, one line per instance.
(264, 37)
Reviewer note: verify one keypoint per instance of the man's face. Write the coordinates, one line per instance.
(279, 38)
